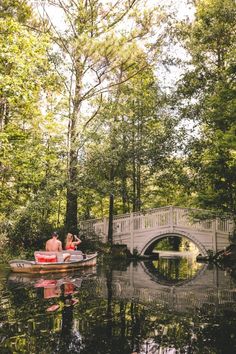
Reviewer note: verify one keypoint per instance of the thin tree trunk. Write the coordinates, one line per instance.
(139, 152)
(72, 194)
(111, 208)
(72, 188)
(138, 187)
(125, 206)
(125, 201)
(133, 171)
(110, 222)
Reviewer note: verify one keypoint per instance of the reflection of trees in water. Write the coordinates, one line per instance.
(70, 339)
(113, 325)
(129, 326)
(172, 271)
(30, 327)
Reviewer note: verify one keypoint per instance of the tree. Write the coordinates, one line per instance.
(100, 41)
(136, 136)
(207, 93)
(30, 152)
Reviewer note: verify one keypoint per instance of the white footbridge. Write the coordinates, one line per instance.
(140, 230)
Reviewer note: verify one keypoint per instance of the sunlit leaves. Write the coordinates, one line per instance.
(209, 99)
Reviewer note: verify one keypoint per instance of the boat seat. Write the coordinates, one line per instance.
(46, 256)
(74, 255)
(42, 256)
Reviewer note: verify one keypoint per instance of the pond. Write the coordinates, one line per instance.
(162, 306)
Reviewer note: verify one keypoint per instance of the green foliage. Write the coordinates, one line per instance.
(172, 243)
(102, 44)
(31, 153)
(17, 9)
(209, 99)
(58, 159)
(90, 242)
(136, 136)
(23, 65)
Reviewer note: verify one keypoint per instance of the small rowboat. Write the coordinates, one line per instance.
(53, 262)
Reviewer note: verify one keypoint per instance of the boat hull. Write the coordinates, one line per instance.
(24, 266)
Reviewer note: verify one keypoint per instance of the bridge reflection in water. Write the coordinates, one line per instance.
(178, 284)
(148, 307)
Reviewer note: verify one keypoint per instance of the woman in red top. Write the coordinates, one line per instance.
(70, 243)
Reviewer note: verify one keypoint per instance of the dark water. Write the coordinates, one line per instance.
(166, 306)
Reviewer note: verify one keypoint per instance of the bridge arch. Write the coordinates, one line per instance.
(186, 235)
(140, 229)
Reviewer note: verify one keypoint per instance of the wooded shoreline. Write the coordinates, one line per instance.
(94, 124)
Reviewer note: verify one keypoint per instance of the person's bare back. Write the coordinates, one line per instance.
(54, 245)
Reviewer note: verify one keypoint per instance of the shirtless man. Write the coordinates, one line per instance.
(54, 245)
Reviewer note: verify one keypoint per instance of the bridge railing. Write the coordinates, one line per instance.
(156, 219)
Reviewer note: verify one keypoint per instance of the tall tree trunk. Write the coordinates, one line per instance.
(4, 113)
(125, 199)
(133, 170)
(72, 194)
(138, 187)
(110, 222)
(125, 202)
(111, 207)
(72, 188)
(139, 153)
(134, 183)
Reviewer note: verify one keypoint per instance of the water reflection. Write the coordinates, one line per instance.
(50, 313)
(173, 271)
(63, 289)
(137, 308)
